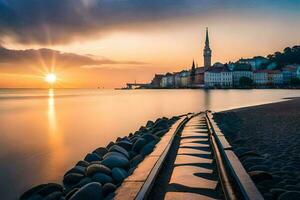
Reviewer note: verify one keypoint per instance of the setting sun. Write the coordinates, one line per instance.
(50, 78)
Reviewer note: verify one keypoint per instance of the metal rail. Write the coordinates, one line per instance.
(235, 181)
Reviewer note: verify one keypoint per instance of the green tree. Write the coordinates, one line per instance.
(245, 82)
(295, 81)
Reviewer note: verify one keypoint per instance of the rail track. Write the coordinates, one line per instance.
(192, 161)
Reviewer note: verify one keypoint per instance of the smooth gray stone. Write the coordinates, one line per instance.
(119, 149)
(125, 144)
(160, 133)
(113, 153)
(136, 161)
(31, 192)
(76, 169)
(96, 168)
(132, 154)
(149, 137)
(119, 174)
(110, 145)
(102, 178)
(82, 163)
(42, 190)
(70, 193)
(50, 188)
(91, 191)
(116, 161)
(92, 157)
(291, 195)
(72, 178)
(149, 124)
(35, 197)
(143, 129)
(148, 148)
(108, 188)
(258, 176)
(139, 144)
(101, 151)
(54, 196)
(83, 182)
(110, 196)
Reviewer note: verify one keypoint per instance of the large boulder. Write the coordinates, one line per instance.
(119, 174)
(149, 124)
(101, 151)
(92, 157)
(113, 153)
(139, 144)
(149, 137)
(125, 144)
(136, 160)
(42, 190)
(76, 169)
(119, 149)
(82, 163)
(72, 178)
(102, 178)
(54, 196)
(110, 145)
(96, 168)
(148, 148)
(116, 161)
(108, 188)
(90, 191)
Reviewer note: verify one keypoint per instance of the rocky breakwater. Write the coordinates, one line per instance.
(102, 171)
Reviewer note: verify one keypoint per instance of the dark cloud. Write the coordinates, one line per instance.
(48, 57)
(61, 21)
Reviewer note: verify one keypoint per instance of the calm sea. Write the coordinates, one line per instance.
(45, 132)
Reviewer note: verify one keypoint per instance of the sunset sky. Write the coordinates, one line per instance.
(91, 43)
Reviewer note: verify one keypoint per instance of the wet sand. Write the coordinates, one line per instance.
(267, 139)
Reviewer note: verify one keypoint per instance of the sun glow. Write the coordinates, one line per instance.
(50, 78)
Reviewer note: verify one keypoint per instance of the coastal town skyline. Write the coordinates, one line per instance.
(97, 54)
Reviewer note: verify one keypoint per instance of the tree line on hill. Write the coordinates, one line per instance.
(288, 56)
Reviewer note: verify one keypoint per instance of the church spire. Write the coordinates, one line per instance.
(207, 52)
(207, 39)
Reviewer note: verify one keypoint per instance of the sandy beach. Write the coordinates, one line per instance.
(267, 140)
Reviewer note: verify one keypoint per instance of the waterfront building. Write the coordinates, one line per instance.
(218, 77)
(170, 80)
(255, 62)
(241, 70)
(177, 80)
(207, 52)
(237, 75)
(184, 79)
(155, 83)
(163, 83)
(289, 72)
(199, 76)
(260, 77)
(275, 77)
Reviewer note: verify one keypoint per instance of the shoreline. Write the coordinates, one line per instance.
(103, 170)
(266, 139)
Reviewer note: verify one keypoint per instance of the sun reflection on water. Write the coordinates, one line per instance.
(55, 141)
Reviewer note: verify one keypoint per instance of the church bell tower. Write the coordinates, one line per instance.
(207, 52)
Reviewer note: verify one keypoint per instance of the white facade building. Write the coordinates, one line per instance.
(260, 77)
(218, 77)
(237, 75)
